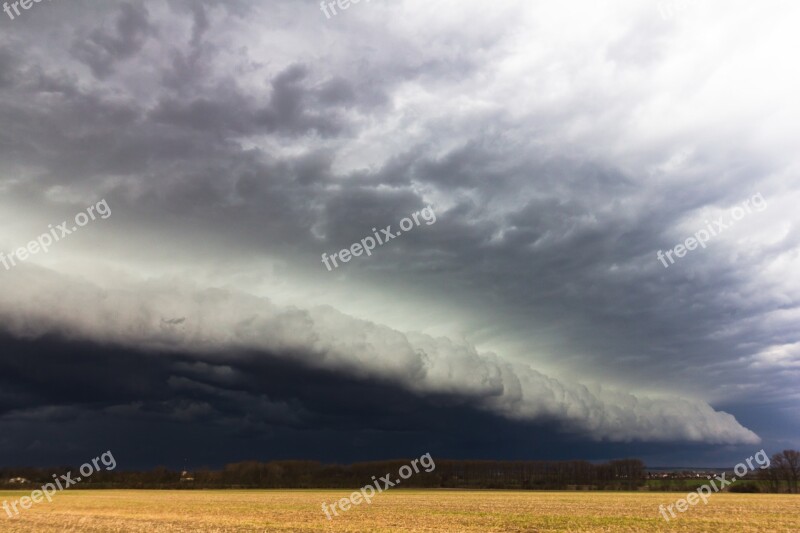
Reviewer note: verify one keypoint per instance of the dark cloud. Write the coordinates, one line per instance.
(102, 49)
(324, 338)
(237, 142)
(252, 406)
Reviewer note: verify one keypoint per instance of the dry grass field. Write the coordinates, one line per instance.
(398, 510)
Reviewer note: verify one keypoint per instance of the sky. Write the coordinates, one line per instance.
(598, 257)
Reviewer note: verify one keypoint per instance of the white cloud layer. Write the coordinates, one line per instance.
(160, 316)
(562, 145)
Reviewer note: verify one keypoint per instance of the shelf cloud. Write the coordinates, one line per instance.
(562, 147)
(216, 321)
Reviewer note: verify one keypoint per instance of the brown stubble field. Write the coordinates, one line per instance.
(398, 510)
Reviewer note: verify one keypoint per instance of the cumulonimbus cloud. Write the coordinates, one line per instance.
(37, 301)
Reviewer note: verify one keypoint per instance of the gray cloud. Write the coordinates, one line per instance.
(222, 321)
(237, 142)
(102, 49)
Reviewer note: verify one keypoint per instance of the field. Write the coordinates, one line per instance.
(398, 510)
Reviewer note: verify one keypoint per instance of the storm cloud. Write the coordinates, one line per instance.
(561, 147)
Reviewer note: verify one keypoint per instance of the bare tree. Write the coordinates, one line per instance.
(772, 476)
(787, 464)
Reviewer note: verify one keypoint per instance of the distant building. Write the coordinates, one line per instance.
(186, 476)
(18, 481)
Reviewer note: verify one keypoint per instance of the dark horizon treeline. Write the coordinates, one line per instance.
(621, 474)
(625, 474)
(784, 470)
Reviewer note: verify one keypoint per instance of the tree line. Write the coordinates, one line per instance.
(783, 472)
(624, 474)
